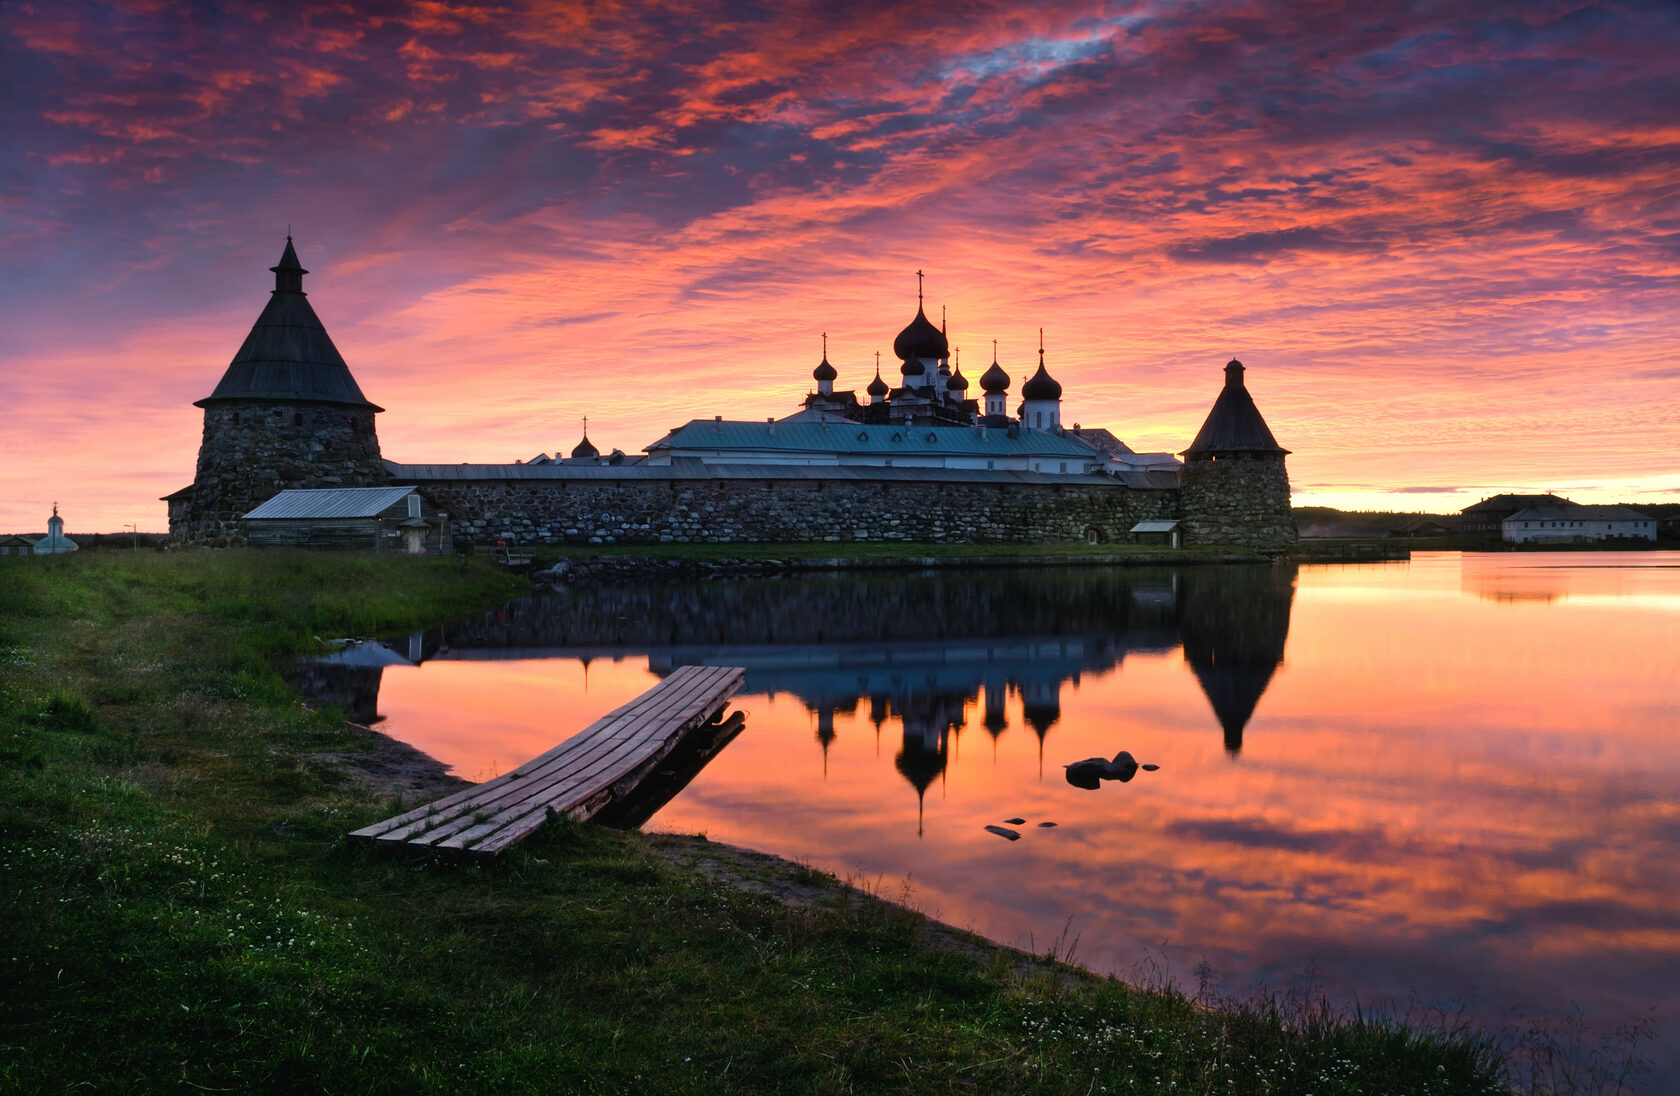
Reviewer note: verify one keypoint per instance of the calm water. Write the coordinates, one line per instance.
(1456, 779)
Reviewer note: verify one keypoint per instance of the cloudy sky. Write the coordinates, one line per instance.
(1444, 237)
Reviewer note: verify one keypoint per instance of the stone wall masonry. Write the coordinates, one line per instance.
(252, 450)
(737, 511)
(1239, 501)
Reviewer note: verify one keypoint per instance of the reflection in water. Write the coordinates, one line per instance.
(1464, 780)
(919, 648)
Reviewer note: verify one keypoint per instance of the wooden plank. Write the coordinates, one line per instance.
(653, 699)
(576, 777)
(537, 770)
(581, 800)
(508, 792)
(562, 795)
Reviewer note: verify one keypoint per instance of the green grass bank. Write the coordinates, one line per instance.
(181, 911)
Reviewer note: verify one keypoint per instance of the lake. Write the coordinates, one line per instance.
(1449, 782)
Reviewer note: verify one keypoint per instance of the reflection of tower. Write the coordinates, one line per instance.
(994, 720)
(1233, 622)
(878, 711)
(825, 733)
(927, 721)
(352, 688)
(1041, 707)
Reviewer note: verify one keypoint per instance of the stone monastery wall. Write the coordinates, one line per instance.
(734, 511)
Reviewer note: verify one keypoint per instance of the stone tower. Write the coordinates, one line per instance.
(287, 413)
(1235, 489)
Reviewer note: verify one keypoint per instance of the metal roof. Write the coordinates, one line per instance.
(871, 439)
(331, 502)
(1516, 502)
(288, 355)
(1235, 424)
(1577, 512)
(1155, 527)
(697, 470)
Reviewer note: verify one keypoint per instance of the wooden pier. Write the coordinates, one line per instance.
(578, 778)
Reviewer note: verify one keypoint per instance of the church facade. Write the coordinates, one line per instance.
(915, 461)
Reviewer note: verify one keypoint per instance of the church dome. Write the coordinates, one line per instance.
(911, 366)
(958, 382)
(824, 371)
(877, 387)
(920, 340)
(585, 448)
(1041, 385)
(994, 380)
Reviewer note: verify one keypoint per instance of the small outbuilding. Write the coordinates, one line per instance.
(378, 519)
(15, 545)
(1156, 532)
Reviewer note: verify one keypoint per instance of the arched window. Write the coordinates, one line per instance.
(297, 418)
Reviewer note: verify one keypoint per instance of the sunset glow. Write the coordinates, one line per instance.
(1445, 238)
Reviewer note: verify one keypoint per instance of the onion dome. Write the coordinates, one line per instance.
(958, 383)
(877, 387)
(994, 380)
(824, 371)
(585, 448)
(288, 355)
(921, 339)
(1041, 385)
(1235, 424)
(911, 366)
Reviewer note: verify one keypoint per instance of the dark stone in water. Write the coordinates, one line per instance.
(1087, 774)
(1045, 825)
(1014, 821)
(1092, 771)
(1150, 768)
(1010, 835)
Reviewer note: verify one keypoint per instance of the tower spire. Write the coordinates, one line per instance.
(918, 289)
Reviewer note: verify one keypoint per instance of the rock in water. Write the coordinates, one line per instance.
(1124, 766)
(1009, 835)
(1087, 774)
(1150, 768)
(1045, 825)
(1014, 821)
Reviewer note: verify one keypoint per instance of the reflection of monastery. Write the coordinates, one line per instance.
(924, 654)
(923, 458)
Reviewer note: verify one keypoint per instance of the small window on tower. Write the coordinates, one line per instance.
(414, 506)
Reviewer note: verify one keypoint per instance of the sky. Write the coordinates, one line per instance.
(1443, 237)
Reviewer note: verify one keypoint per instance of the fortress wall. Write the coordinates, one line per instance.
(1238, 500)
(685, 511)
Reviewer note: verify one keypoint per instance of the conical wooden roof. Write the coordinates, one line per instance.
(288, 355)
(1234, 425)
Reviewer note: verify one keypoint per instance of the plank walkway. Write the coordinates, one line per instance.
(577, 778)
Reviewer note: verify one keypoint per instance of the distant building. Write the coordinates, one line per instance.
(1488, 516)
(55, 543)
(16, 546)
(1577, 524)
(379, 519)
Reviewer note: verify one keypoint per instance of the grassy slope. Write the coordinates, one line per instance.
(180, 908)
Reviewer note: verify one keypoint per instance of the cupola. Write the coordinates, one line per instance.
(1041, 396)
(920, 339)
(824, 373)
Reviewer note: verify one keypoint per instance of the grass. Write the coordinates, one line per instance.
(181, 911)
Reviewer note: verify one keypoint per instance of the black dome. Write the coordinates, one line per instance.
(585, 448)
(958, 381)
(911, 366)
(921, 340)
(995, 379)
(877, 387)
(824, 371)
(1041, 385)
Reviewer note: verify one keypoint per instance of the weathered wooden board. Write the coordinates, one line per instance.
(601, 763)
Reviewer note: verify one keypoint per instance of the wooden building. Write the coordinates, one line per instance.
(373, 519)
(16, 546)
